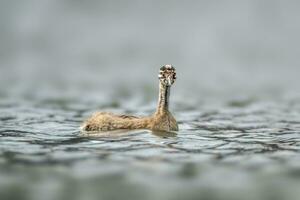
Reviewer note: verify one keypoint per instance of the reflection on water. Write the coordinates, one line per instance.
(164, 134)
(221, 153)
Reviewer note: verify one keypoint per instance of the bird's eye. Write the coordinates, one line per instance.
(161, 75)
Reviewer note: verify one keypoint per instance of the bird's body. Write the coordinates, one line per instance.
(103, 121)
(161, 120)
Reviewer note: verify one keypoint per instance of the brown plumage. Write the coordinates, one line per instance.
(161, 120)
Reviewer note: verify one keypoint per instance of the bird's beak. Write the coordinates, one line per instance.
(169, 79)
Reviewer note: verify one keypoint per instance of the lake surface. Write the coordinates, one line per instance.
(242, 149)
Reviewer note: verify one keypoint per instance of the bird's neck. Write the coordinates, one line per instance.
(163, 101)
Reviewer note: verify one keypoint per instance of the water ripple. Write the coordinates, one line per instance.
(246, 140)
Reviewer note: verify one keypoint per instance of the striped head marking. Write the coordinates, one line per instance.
(167, 75)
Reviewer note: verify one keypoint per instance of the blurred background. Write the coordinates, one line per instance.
(236, 99)
(232, 48)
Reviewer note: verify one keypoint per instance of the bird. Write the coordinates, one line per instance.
(160, 120)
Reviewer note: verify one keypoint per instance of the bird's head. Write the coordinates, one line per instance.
(167, 75)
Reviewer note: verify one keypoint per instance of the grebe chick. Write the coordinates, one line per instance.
(161, 120)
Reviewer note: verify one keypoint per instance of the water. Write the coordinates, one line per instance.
(236, 99)
(222, 151)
